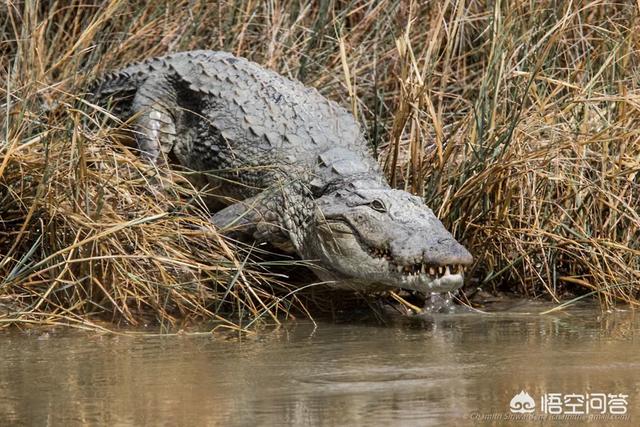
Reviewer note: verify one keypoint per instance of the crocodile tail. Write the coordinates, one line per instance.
(120, 81)
(116, 89)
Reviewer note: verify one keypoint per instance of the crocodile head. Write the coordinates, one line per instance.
(368, 238)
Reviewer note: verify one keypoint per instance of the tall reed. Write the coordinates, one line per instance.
(518, 121)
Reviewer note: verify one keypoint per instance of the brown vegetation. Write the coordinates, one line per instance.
(520, 125)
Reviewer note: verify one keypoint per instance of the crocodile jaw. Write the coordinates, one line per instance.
(385, 274)
(345, 259)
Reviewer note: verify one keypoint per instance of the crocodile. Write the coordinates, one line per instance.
(288, 167)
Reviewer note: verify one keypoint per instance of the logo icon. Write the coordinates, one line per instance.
(522, 403)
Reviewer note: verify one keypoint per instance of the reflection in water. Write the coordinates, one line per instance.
(419, 371)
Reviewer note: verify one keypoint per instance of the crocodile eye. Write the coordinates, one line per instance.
(378, 205)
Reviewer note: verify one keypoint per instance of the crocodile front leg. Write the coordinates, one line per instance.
(251, 220)
(277, 216)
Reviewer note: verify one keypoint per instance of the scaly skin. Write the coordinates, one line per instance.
(291, 167)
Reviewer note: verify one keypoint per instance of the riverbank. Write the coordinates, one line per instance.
(519, 127)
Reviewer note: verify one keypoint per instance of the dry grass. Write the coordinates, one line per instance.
(519, 124)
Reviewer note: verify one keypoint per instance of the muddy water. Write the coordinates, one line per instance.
(453, 369)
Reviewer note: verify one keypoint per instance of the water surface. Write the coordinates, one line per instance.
(450, 369)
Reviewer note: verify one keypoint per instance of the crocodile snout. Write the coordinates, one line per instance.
(421, 248)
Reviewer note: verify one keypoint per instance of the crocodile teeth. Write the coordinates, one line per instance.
(413, 270)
